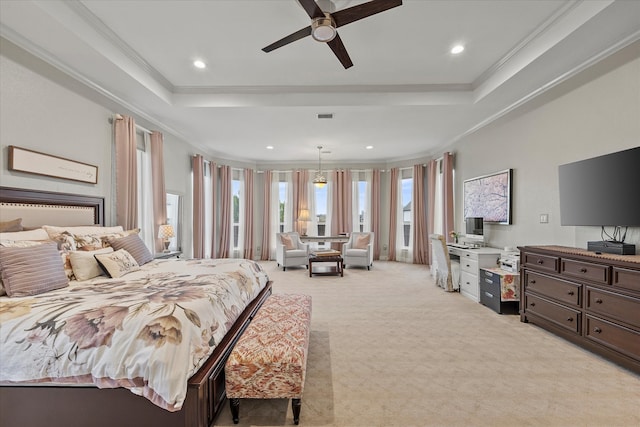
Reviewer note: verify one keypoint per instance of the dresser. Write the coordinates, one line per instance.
(471, 261)
(590, 299)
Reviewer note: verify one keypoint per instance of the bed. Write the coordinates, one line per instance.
(56, 358)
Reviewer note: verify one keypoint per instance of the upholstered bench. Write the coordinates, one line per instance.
(269, 360)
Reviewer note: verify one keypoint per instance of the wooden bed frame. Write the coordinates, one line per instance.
(53, 406)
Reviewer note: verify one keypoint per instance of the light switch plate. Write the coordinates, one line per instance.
(544, 218)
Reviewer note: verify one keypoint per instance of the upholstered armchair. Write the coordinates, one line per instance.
(358, 250)
(446, 273)
(290, 251)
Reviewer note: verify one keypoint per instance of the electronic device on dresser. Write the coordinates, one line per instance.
(603, 192)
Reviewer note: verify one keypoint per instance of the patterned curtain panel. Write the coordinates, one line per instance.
(126, 172)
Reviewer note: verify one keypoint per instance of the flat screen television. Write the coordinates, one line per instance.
(489, 197)
(601, 191)
(475, 227)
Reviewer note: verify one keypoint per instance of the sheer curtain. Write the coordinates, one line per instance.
(267, 219)
(126, 172)
(145, 209)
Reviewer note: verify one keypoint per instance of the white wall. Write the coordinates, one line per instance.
(583, 118)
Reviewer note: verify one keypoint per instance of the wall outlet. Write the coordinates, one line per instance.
(544, 218)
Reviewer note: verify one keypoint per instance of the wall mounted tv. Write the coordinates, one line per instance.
(601, 191)
(489, 197)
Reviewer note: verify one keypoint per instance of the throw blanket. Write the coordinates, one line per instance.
(148, 331)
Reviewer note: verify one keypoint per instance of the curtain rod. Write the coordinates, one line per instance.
(118, 116)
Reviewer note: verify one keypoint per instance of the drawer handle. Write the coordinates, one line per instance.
(598, 300)
(583, 270)
(540, 261)
(533, 304)
(532, 281)
(570, 293)
(597, 330)
(569, 319)
(468, 265)
(488, 281)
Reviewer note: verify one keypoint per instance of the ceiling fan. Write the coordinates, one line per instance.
(324, 25)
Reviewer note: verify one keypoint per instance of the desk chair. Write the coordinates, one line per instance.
(446, 273)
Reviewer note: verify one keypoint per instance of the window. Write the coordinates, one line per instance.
(321, 212)
(283, 203)
(237, 213)
(145, 191)
(174, 218)
(407, 212)
(361, 193)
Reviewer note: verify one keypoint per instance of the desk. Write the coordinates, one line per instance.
(500, 290)
(471, 260)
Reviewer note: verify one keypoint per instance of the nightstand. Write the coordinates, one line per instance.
(167, 255)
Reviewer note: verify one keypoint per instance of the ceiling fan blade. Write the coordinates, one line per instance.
(312, 8)
(355, 13)
(338, 48)
(300, 34)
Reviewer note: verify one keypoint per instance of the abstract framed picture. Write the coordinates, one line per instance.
(489, 197)
(29, 161)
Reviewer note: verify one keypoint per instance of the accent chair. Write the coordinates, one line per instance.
(290, 251)
(358, 251)
(446, 273)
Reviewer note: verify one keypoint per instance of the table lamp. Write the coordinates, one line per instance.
(165, 232)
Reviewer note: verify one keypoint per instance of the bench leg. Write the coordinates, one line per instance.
(295, 406)
(235, 410)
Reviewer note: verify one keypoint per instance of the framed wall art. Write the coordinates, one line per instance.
(489, 197)
(29, 161)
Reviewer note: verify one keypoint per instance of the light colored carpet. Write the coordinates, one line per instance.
(389, 348)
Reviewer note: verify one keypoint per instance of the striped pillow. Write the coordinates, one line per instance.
(135, 246)
(31, 270)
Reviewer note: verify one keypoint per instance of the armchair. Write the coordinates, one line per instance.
(358, 250)
(290, 251)
(446, 272)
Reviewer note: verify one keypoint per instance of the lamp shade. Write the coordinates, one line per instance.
(165, 231)
(303, 215)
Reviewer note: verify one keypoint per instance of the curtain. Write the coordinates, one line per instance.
(158, 186)
(225, 211)
(420, 233)
(248, 214)
(375, 211)
(126, 172)
(198, 206)
(300, 196)
(145, 202)
(447, 194)
(432, 171)
(393, 212)
(342, 207)
(267, 215)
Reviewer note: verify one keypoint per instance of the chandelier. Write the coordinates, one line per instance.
(320, 180)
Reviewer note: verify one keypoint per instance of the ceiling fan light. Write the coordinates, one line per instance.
(323, 29)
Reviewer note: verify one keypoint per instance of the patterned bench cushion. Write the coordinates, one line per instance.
(270, 358)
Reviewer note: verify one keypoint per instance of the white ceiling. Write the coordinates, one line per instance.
(406, 95)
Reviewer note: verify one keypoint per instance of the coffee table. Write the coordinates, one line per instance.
(338, 270)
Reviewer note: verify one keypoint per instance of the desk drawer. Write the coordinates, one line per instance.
(614, 306)
(561, 290)
(490, 292)
(470, 265)
(597, 273)
(619, 338)
(469, 284)
(562, 316)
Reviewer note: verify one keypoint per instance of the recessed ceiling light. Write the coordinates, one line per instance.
(369, 147)
(457, 49)
(269, 147)
(199, 64)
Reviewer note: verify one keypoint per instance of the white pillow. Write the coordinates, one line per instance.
(37, 234)
(84, 263)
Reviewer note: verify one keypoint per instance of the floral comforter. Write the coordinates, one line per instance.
(148, 331)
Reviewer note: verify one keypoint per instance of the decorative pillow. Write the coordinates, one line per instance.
(84, 264)
(135, 246)
(37, 234)
(287, 241)
(54, 231)
(87, 242)
(362, 241)
(11, 226)
(31, 270)
(117, 264)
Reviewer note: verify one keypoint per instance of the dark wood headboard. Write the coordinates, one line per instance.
(37, 197)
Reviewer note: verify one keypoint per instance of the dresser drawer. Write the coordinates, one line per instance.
(627, 279)
(470, 265)
(597, 273)
(616, 337)
(542, 262)
(560, 315)
(560, 290)
(613, 306)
